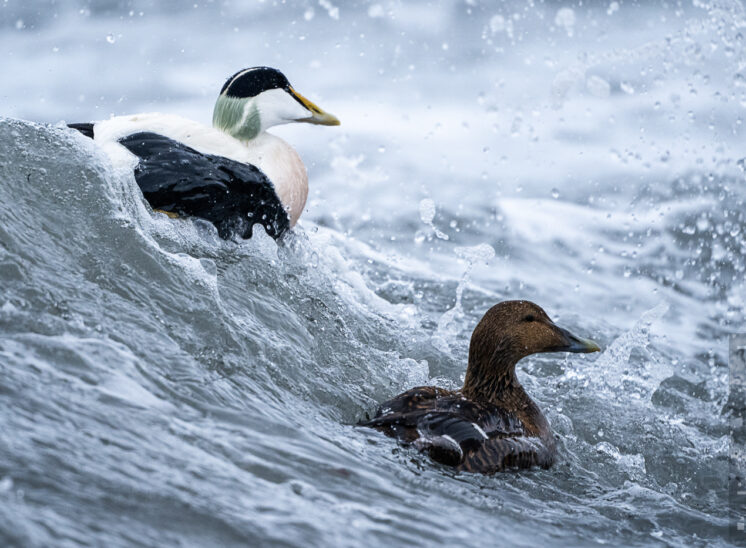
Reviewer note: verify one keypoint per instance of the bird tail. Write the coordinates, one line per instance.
(86, 129)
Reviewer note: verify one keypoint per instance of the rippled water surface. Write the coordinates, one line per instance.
(160, 386)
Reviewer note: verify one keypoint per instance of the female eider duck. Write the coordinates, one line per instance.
(233, 174)
(491, 424)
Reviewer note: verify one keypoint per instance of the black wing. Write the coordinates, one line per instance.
(231, 195)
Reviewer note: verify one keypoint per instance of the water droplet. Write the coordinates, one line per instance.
(376, 10)
(555, 193)
(565, 18)
(497, 24)
(330, 8)
(427, 214)
(427, 210)
(110, 38)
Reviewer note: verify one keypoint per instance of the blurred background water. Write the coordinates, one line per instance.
(160, 386)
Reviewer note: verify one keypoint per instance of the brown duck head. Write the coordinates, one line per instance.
(509, 331)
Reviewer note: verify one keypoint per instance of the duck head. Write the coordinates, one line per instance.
(509, 331)
(257, 98)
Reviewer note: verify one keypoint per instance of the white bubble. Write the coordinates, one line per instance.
(497, 24)
(376, 10)
(565, 18)
(110, 38)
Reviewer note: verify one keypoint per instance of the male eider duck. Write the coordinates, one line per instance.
(491, 424)
(233, 174)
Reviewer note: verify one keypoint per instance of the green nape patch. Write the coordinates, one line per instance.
(231, 115)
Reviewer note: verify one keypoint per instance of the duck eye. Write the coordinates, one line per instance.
(529, 318)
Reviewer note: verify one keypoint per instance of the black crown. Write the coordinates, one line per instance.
(252, 81)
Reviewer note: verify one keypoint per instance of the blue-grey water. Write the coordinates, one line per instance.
(160, 386)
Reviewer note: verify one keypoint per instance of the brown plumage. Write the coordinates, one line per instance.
(491, 424)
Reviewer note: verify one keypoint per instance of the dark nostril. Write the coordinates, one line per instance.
(529, 318)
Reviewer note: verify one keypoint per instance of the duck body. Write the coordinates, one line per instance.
(471, 435)
(491, 424)
(233, 174)
(188, 169)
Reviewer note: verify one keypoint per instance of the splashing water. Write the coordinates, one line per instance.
(614, 368)
(161, 386)
(450, 320)
(427, 214)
